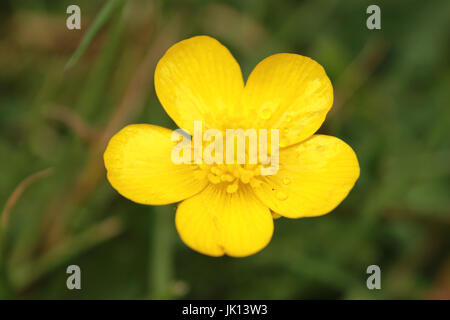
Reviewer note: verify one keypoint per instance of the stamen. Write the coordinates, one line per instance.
(231, 188)
(231, 176)
(216, 171)
(227, 177)
(213, 178)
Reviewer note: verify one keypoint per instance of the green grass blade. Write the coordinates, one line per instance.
(105, 14)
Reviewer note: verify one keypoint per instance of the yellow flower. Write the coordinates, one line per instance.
(229, 209)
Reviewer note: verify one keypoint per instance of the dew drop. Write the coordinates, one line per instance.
(266, 114)
(281, 195)
(286, 180)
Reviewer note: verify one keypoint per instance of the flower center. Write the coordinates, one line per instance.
(230, 176)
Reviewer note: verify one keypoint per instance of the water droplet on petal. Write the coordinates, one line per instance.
(286, 180)
(281, 195)
(266, 114)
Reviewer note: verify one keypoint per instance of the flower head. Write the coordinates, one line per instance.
(229, 208)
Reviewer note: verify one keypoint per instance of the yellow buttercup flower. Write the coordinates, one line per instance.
(229, 209)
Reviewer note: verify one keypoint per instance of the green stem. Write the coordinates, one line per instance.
(161, 252)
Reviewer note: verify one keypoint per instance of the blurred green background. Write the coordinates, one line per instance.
(391, 105)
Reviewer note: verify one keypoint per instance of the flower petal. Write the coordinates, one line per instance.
(313, 178)
(198, 79)
(288, 92)
(215, 222)
(139, 165)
